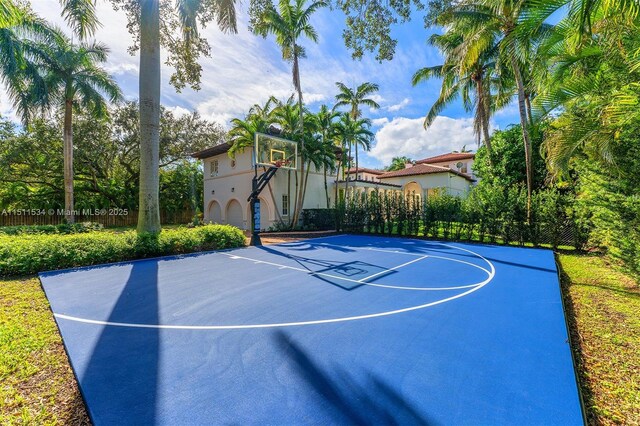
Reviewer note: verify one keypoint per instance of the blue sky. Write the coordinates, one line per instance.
(245, 69)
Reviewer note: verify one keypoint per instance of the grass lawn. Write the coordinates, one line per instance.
(38, 387)
(604, 316)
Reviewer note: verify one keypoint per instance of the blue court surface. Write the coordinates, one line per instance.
(337, 330)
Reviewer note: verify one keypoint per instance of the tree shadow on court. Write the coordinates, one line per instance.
(121, 378)
(348, 401)
(309, 246)
(440, 248)
(329, 267)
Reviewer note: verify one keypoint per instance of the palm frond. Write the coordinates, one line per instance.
(81, 16)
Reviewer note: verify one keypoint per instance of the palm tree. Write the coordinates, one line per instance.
(352, 132)
(398, 163)
(597, 101)
(287, 117)
(324, 121)
(462, 79)
(258, 120)
(242, 132)
(288, 24)
(10, 14)
(320, 155)
(81, 15)
(73, 78)
(22, 37)
(491, 24)
(353, 98)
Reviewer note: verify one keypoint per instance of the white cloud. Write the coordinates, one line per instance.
(245, 69)
(178, 111)
(407, 137)
(312, 98)
(380, 121)
(377, 98)
(401, 105)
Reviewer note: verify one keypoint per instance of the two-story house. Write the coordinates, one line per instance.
(227, 186)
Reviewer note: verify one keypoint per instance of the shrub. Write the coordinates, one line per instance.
(319, 219)
(491, 211)
(29, 254)
(65, 228)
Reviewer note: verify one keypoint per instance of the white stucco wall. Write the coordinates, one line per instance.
(453, 165)
(453, 184)
(233, 184)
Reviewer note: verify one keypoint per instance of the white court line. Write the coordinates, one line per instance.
(357, 248)
(391, 269)
(280, 266)
(292, 324)
(395, 287)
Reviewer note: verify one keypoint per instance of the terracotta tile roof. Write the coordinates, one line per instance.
(423, 169)
(365, 170)
(452, 156)
(210, 152)
(371, 182)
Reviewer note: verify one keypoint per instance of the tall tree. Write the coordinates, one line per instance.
(500, 23)
(73, 78)
(463, 79)
(352, 132)
(354, 98)
(324, 121)
(10, 14)
(155, 23)
(591, 92)
(149, 92)
(398, 163)
(288, 24)
(22, 36)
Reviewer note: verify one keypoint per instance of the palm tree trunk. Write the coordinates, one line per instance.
(273, 198)
(300, 194)
(149, 86)
(346, 180)
(357, 166)
(338, 178)
(482, 104)
(326, 186)
(292, 214)
(67, 149)
(527, 100)
(306, 179)
(525, 132)
(289, 195)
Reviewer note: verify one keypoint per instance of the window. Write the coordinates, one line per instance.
(462, 167)
(214, 168)
(285, 205)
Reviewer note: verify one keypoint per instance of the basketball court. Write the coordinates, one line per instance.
(337, 330)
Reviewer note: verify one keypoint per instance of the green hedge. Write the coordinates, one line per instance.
(29, 254)
(489, 214)
(318, 219)
(65, 228)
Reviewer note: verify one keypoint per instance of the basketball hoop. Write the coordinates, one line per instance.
(272, 151)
